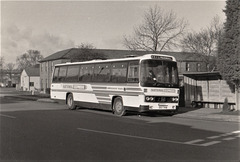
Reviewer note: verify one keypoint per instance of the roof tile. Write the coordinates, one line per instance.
(33, 71)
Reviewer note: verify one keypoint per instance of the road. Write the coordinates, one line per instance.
(33, 130)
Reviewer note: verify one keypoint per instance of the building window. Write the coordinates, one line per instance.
(52, 67)
(198, 67)
(41, 83)
(42, 66)
(46, 83)
(187, 67)
(31, 84)
(46, 66)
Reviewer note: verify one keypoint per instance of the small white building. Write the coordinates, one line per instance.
(30, 79)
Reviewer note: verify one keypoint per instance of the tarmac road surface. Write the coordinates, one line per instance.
(33, 130)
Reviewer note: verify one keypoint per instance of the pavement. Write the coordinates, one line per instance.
(209, 114)
(184, 112)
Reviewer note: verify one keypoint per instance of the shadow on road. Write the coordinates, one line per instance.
(10, 99)
(147, 114)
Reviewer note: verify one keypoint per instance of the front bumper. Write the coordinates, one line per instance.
(158, 107)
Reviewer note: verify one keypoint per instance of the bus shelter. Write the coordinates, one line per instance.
(207, 89)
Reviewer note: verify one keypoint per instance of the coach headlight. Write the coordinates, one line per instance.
(175, 99)
(149, 98)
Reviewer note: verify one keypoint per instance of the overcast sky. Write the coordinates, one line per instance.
(50, 26)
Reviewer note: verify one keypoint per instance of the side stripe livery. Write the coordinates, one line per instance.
(96, 93)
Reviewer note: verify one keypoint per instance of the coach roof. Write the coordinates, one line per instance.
(147, 56)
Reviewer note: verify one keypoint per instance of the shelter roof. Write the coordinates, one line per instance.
(203, 75)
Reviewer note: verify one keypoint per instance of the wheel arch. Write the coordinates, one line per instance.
(68, 93)
(113, 98)
(119, 111)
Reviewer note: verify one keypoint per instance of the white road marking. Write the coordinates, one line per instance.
(224, 139)
(213, 137)
(194, 141)
(210, 143)
(138, 137)
(226, 134)
(12, 117)
(229, 138)
(238, 135)
(238, 131)
(197, 142)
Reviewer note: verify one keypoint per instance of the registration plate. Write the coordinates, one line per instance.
(163, 106)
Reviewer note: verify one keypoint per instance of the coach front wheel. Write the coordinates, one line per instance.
(70, 102)
(118, 107)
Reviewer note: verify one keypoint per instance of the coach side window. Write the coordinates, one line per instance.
(55, 74)
(62, 73)
(86, 73)
(133, 72)
(102, 73)
(119, 72)
(72, 73)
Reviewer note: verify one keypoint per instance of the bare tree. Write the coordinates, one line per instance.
(30, 58)
(86, 46)
(159, 31)
(1, 68)
(10, 68)
(2, 60)
(205, 42)
(87, 52)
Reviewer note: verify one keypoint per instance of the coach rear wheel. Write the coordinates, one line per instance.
(70, 102)
(118, 107)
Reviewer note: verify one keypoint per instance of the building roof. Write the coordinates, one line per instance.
(57, 55)
(68, 53)
(33, 71)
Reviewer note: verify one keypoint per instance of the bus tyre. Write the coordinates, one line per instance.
(118, 107)
(70, 102)
(173, 112)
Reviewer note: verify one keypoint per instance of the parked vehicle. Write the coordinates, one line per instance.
(146, 83)
(2, 85)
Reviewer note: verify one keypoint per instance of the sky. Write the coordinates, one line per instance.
(51, 26)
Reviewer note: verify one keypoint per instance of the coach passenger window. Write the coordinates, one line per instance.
(119, 72)
(62, 73)
(55, 74)
(102, 73)
(133, 72)
(72, 73)
(86, 73)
